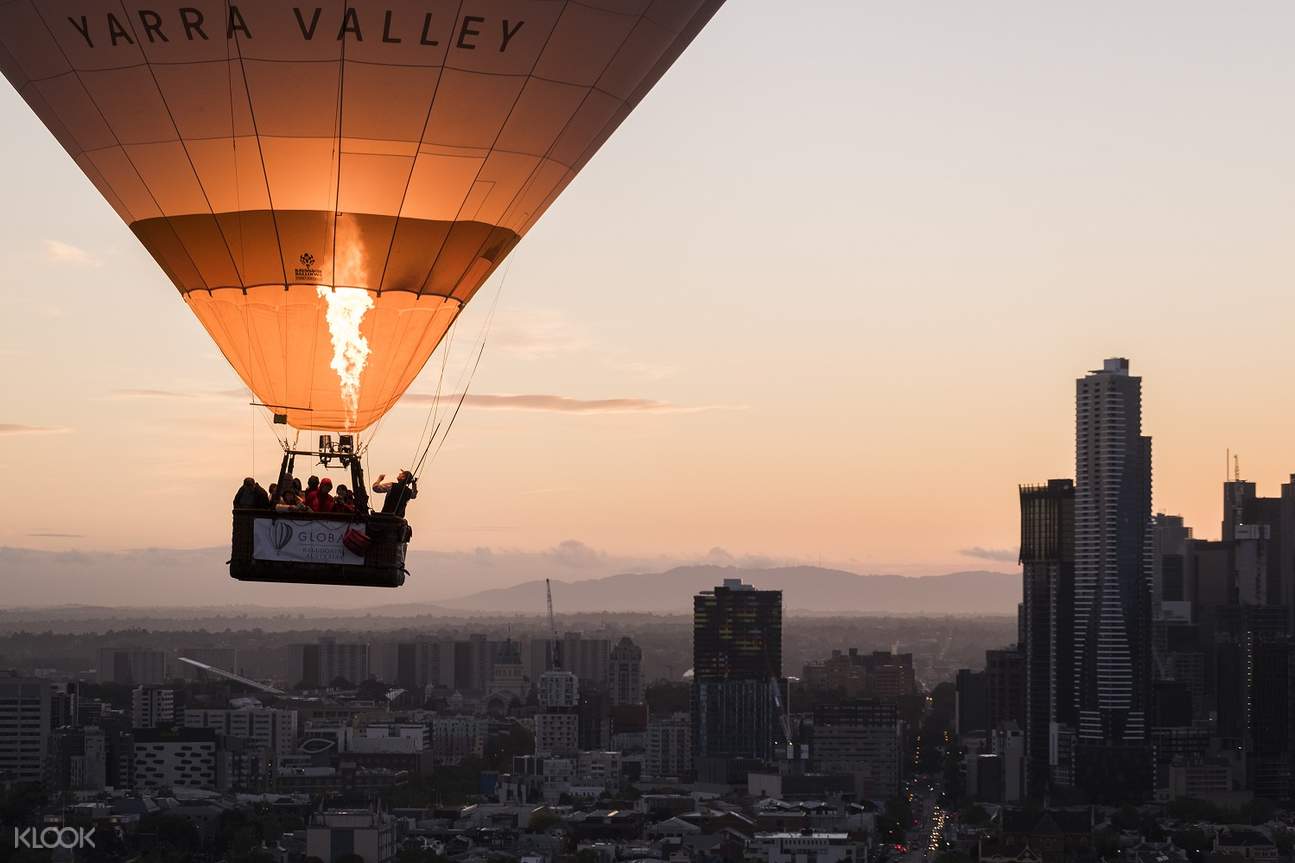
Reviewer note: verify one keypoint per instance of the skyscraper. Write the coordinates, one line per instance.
(1112, 645)
(1047, 619)
(737, 672)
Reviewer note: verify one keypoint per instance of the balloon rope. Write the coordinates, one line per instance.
(485, 335)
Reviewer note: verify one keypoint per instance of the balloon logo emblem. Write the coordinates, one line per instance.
(282, 534)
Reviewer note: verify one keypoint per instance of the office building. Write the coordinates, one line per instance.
(862, 738)
(25, 715)
(457, 737)
(1005, 686)
(669, 747)
(972, 707)
(171, 757)
(78, 759)
(1047, 631)
(336, 833)
(271, 727)
(1112, 612)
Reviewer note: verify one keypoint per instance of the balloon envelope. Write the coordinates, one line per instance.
(327, 184)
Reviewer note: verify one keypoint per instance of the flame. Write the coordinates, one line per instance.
(346, 310)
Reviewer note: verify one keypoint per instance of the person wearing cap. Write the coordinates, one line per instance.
(399, 493)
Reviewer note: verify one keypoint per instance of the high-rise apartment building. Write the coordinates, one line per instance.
(131, 666)
(625, 673)
(737, 672)
(24, 728)
(328, 661)
(1047, 625)
(1112, 625)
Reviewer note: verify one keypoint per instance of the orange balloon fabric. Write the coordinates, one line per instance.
(328, 184)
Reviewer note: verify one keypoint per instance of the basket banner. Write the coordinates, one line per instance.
(298, 541)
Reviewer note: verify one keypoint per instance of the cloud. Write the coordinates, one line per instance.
(575, 554)
(645, 370)
(50, 535)
(565, 404)
(145, 393)
(18, 428)
(1003, 555)
(66, 253)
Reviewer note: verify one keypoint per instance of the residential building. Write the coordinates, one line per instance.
(625, 673)
(1112, 620)
(737, 673)
(151, 706)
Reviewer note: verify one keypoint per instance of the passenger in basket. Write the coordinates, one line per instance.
(250, 495)
(399, 493)
(322, 500)
(312, 489)
(344, 501)
(292, 503)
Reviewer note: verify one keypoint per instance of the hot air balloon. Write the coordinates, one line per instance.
(327, 184)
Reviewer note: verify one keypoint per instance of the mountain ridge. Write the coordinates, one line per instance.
(805, 588)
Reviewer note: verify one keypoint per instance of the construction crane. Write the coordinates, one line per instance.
(553, 627)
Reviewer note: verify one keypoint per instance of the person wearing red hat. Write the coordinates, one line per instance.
(322, 500)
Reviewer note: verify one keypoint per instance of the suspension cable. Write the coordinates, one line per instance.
(471, 375)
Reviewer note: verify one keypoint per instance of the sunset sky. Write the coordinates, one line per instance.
(837, 273)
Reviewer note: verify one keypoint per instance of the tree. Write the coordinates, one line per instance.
(664, 697)
(974, 815)
(953, 855)
(587, 855)
(543, 820)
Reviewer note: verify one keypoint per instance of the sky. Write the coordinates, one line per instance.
(837, 272)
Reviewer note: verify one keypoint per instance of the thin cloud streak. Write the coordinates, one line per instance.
(49, 535)
(565, 404)
(18, 429)
(66, 253)
(1003, 555)
(146, 393)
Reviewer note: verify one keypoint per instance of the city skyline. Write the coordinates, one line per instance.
(904, 364)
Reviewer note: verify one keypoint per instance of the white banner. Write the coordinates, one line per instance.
(303, 541)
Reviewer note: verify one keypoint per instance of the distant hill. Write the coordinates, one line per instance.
(805, 588)
(583, 581)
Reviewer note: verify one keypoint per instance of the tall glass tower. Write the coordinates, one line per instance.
(1112, 613)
